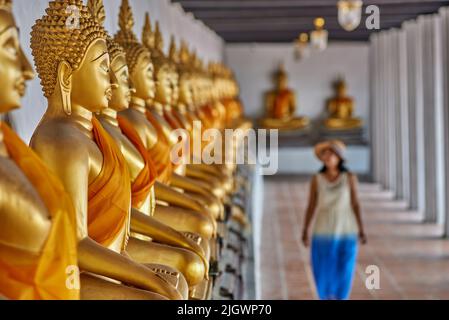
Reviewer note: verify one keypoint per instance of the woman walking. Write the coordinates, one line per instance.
(338, 225)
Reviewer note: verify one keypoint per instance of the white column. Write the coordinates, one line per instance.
(444, 13)
(374, 100)
(419, 115)
(404, 163)
(411, 31)
(390, 119)
(396, 146)
(439, 115)
(431, 111)
(384, 66)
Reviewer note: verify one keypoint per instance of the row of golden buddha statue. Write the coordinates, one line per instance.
(96, 190)
(280, 106)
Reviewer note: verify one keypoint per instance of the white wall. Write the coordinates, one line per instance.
(311, 78)
(172, 19)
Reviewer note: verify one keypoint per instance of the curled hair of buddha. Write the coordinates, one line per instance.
(6, 5)
(54, 41)
(339, 82)
(127, 39)
(96, 8)
(280, 72)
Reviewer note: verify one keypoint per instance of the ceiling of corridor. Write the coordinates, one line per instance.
(283, 20)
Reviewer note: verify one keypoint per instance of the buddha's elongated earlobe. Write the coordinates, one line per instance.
(65, 84)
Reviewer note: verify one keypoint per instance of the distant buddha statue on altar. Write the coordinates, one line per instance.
(280, 106)
(340, 110)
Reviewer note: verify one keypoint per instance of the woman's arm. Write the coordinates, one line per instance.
(356, 206)
(310, 211)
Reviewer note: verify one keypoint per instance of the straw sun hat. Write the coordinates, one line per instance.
(336, 146)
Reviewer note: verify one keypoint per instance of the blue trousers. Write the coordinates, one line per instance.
(333, 264)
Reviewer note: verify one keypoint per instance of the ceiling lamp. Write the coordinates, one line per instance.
(319, 37)
(349, 14)
(302, 46)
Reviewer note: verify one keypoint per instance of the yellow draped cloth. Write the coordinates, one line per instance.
(206, 117)
(141, 186)
(110, 192)
(27, 276)
(281, 104)
(160, 152)
(172, 120)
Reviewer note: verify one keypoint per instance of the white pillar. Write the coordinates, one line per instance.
(384, 125)
(417, 59)
(404, 161)
(439, 115)
(376, 98)
(390, 119)
(431, 115)
(444, 13)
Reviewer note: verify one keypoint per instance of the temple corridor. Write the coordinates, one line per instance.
(412, 258)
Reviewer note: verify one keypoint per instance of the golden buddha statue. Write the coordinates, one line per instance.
(281, 106)
(228, 91)
(174, 249)
(159, 108)
(340, 109)
(37, 236)
(174, 208)
(73, 65)
(181, 98)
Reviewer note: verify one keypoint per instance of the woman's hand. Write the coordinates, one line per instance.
(362, 237)
(305, 238)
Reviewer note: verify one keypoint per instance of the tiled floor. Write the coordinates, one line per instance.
(412, 258)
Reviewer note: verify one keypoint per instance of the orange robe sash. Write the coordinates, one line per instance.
(234, 110)
(141, 186)
(172, 120)
(110, 192)
(160, 152)
(26, 276)
(281, 104)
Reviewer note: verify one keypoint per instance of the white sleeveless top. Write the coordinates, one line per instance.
(334, 216)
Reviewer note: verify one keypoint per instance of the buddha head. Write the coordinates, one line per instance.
(340, 87)
(163, 68)
(174, 58)
(15, 69)
(121, 93)
(185, 83)
(138, 57)
(72, 61)
(281, 78)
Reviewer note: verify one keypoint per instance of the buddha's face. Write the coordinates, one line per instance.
(142, 78)
(282, 81)
(91, 82)
(341, 90)
(14, 67)
(164, 89)
(175, 87)
(185, 89)
(121, 93)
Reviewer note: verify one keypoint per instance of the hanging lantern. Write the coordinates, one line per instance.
(319, 37)
(349, 14)
(302, 46)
